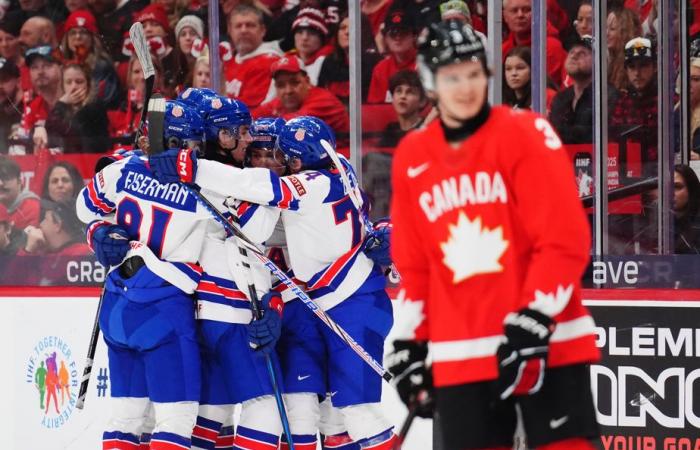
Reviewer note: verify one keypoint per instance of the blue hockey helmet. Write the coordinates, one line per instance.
(226, 113)
(181, 124)
(198, 98)
(265, 131)
(301, 138)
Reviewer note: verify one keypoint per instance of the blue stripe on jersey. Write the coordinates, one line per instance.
(193, 272)
(170, 438)
(222, 291)
(332, 284)
(247, 214)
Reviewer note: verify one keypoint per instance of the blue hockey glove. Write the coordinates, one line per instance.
(264, 333)
(173, 165)
(377, 245)
(522, 358)
(109, 242)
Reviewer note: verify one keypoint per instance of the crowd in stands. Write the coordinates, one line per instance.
(70, 82)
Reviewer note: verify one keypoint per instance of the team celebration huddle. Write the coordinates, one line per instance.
(244, 270)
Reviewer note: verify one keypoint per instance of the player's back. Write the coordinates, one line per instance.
(164, 217)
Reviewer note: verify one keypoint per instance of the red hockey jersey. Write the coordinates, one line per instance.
(484, 230)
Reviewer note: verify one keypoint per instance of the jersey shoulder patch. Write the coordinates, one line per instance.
(297, 185)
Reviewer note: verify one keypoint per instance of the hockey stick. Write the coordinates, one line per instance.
(257, 314)
(143, 54)
(293, 287)
(92, 347)
(423, 400)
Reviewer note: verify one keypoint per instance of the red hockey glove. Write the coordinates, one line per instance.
(522, 357)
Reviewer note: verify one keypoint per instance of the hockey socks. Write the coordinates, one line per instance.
(301, 442)
(169, 441)
(341, 441)
(116, 440)
(224, 441)
(383, 441)
(204, 434)
(249, 439)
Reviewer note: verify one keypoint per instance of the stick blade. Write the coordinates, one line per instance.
(138, 39)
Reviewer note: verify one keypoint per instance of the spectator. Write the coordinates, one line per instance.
(622, 25)
(637, 105)
(694, 105)
(60, 233)
(459, 10)
(310, 33)
(200, 77)
(81, 43)
(62, 182)
(187, 30)
(584, 19)
(280, 28)
(516, 77)
(12, 239)
(400, 34)
(37, 31)
(247, 75)
(53, 10)
(78, 123)
(45, 73)
(22, 205)
(75, 5)
(157, 30)
(572, 109)
(376, 11)
(174, 9)
(686, 205)
(10, 101)
(9, 41)
(124, 121)
(113, 20)
(517, 14)
(408, 99)
(296, 96)
(335, 71)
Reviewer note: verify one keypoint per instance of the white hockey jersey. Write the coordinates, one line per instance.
(323, 228)
(166, 225)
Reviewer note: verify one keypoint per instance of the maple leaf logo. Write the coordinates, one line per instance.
(551, 303)
(472, 250)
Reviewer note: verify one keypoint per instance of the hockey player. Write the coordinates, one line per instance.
(324, 236)
(151, 234)
(490, 238)
(232, 371)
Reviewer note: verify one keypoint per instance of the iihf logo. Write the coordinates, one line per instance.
(53, 377)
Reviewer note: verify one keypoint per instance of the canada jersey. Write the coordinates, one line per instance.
(322, 227)
(165, 218)
(485, 229)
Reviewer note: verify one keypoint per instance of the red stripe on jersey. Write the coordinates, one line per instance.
(253, 444)
(195, 267)
(212, 288)
(157, 444)
(335, 268)
(287, 196)
(117, 444)
(242, 208)
(99, 204)
(205, 433)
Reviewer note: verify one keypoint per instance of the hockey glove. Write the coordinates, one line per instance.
(109, 242)
(264, 333)
(414, 381)
(174, 165)
(377, 245)
(522, 357)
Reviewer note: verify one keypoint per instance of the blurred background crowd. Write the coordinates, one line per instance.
(71, 89)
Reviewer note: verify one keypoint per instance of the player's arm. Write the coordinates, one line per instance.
(548, 208)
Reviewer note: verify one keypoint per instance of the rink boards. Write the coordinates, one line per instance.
(647, 386)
